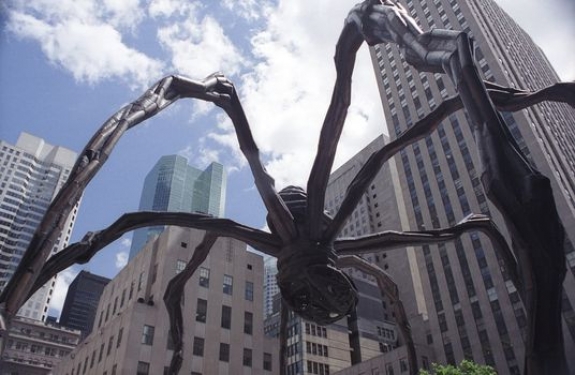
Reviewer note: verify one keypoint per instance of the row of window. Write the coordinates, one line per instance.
(316, 349)
(315, 330)
(228, 281)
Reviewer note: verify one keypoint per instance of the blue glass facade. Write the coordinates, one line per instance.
(174, 185)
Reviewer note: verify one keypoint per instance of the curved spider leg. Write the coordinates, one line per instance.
(389, 240)
(155, 99)
(173, 299)
(88, 164)
(284, 318)
(81, 252)
(388, 287)
(278, 212)
(348, 44)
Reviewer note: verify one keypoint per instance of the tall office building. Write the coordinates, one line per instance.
(81, 301)
(271, 288)
(173, 185)
(31, 174)
(474, 310)
(221, 306)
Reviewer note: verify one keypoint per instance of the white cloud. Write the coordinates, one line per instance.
(121, 259)
(200, 47)
(63, 281)
(122, 254)
(85, 37)
(92, 51)
(170, 8)
(247, 9)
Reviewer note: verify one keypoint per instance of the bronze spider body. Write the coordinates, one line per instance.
(302, 236)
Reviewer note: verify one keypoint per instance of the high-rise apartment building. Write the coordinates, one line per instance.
(221, 306)
(82, 300)
(473, 308)
(31, 174)
(174, 185)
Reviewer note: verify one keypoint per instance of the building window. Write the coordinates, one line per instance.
(140, 281)
(267, 361)
(249, 291)
(247, 357)
(123, 298)
(228, 284)
(224, 352)
(114, 369)
(154, 273)
(402, 365)
(119, 342)
(198, 348)
(143, 368)
(226, 317)
(202, 310)
(180, 266)
(204, 277)
(248, 322)
(148, 335)
(110, 342)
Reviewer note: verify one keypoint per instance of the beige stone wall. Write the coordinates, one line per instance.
(160, 258)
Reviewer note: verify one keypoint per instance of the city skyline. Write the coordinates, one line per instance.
(61, 89)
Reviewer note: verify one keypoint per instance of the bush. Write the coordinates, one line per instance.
(465, 368)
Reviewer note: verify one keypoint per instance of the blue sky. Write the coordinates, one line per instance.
(67, 65)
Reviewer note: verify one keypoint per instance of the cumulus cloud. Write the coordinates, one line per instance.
(63, 281)
(121, 259)
(200, 47)
(248, 9)
(84, 38)
(122, 254)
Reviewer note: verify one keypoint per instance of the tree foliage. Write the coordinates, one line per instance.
(465, 368)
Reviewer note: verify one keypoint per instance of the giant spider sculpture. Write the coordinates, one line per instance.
(302, 236)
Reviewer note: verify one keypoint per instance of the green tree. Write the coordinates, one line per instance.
(465, 368)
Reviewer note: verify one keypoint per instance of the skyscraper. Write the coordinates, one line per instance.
(271, 288)
(82, 300)
(173, 185)
(31, 174)
(473, 308)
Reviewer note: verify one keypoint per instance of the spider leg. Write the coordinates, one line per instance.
(507, 99)
(348, 44)
(173, 298)
(371, 168)
(510, 99)
(389, 240)
(81, 252)
(390, 289)
(278, 212)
